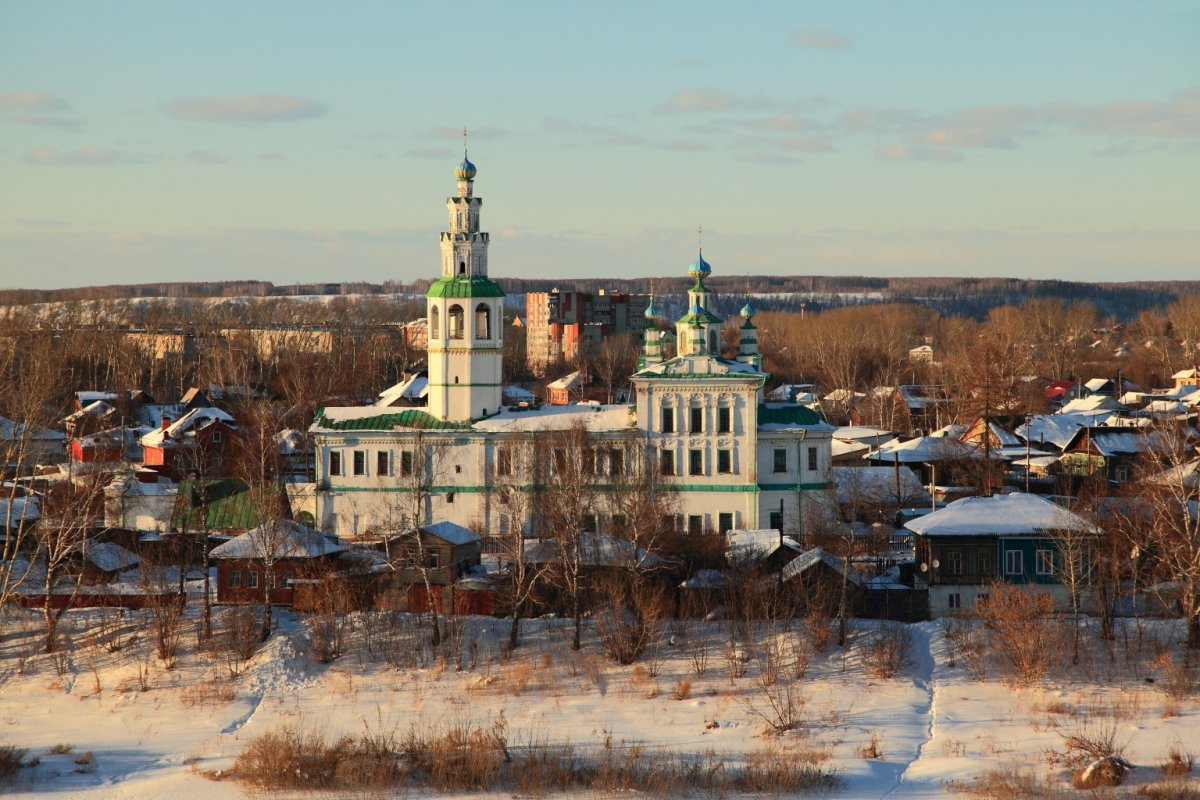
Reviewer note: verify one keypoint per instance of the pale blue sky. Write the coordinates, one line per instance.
(297, 141)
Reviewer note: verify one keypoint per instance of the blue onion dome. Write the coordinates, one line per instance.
(651, 310)
(466, 170)
(747, 310)
(699, 268)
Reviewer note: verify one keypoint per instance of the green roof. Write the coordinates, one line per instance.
(231, 506)
(465, 286)
(696, 319)
(408, 418)
(787, 415)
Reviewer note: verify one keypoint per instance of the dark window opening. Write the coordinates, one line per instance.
(723, 419)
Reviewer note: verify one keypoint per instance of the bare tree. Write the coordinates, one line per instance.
(522, 576)
(566, 506)
(1172, 530)
(420, 468)
(71, 512)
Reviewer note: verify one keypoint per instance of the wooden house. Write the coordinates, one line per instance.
(294, 549)
(1016, 538)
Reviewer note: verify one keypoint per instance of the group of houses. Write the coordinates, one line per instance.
(434, 494)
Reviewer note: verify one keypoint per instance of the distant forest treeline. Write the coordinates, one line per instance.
(971, 297)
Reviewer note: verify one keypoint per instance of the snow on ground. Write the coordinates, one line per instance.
(932, 723)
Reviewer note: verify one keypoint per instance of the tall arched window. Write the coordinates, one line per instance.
(483, 321)
(462, 268)
(713, 349)
(454, 322)
(435, 323)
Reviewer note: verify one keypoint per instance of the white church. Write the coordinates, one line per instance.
(731, 460)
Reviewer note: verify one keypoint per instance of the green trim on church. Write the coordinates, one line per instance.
(408, 418)
(464, 286)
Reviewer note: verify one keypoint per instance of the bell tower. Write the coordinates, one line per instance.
(465, 311)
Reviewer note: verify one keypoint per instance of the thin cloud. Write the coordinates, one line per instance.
(704, 99)
(248, 108)
(691, 62)
(43, 121)
(206, 157)
(907, 152)
(37, 109)
(593, 134)
(23, 100)
(815, 38)
(89, 156)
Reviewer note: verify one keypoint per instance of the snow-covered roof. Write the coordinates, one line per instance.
(746, 546)
(87, 397)
(1057, 429)
(10, 431)
(810, 558)
(450, 532)
(596, 550)
(878, 485)
(1180, 476)
(924, 449)
(861, 433)
(915, 396)
(413, 389)
(97, 408)
(565, 382)
(843, 396)
(108, 556)
(196, 419)
(289, 442)
(594, 418)
(516, 394)
(283, 539)
(1097, 384)
(18, 509)
(1089, 405)
(705, 579)
(1184, 374)
(1116, 441)
(1015, 514)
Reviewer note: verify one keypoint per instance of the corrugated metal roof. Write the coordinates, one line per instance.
(230, 506)
(787, 415)
(408, 418)
(465, 286)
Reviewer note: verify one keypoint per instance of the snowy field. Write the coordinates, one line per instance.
(116, 724)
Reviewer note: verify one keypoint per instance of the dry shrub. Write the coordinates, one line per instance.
(11, 759)
(60, 749)
(460, 756)
(780, 705)
(1022, 633)
(166, 614)
(1179, 761)
(213, 690)
(967, 645)
(777, 771)
(1013, 781)
(110, 629)
(520, 674)
(298, 756)
(1178, 681)
(682, 690)
(1169, 790)
(886, 651)
(871, 749)
(818, 628)
(630, 621)
(236, 639)
(328, 624)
